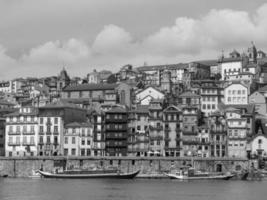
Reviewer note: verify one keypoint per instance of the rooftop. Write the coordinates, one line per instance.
(90, 87)
(163, 67)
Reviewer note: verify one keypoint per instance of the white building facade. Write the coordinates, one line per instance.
(22, 133)
(236, 94)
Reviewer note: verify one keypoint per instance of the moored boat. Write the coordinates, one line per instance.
(191, 174)
(86, 174)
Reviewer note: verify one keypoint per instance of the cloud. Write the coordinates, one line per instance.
(187, 39)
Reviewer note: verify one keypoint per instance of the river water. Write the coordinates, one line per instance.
(137, 189)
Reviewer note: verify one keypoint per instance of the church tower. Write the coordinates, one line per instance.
(252, 53)
(63, 79)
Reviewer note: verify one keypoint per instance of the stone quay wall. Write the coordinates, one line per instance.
(25, 166)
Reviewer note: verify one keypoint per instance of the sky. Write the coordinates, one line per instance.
(40, 37)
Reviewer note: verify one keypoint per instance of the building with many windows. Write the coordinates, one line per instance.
(78, 139)
(116, 132)
(156, 134)
(138, 137)
(22, 132)
(172, 120)
(236, 93)
(2, 136)
(52, 119)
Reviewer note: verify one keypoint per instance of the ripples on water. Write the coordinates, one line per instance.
(137, 189)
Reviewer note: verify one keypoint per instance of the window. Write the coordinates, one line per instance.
(88, 142)
(18, 129)
(213, 106)
(82, 152)
(88, 152)
(204, 106)
(41, 120)
(24, 129)
(55, 140)
(158, 142)
(41, 129)
(32, 140)
(73, 140)
(24, 140)
(55, 129)
(66, 140)
(73, 152)
(48, 140)
(83, 141)
(80, 94)
(65, 152)
(41, 139)
(32, 129)
(17, 140)
(138, 128)
(259, 141)
(56, 120)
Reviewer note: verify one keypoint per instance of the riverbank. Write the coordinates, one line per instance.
(148, 166)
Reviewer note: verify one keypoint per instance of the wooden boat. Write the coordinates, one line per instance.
(191, 174)
(86, 174)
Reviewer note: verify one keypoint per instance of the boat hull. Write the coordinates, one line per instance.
(216, 177)
(88, 176)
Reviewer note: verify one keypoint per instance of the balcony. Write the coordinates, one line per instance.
(167, 139)
(56, 133)
(167, 129)
(48, 133)
(190, 133)
(191, 142)
(41, 142)
(156, 137)
(28, 133)
(218, 131)
(138, 141)
(14, 132)
(13, 143)
(41, 133)
(158, 128)
(28, 144)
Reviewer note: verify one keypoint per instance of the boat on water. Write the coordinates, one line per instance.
(192, 174)
(86, 174)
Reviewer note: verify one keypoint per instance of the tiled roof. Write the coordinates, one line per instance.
(224, 60)
(89, 87)
(208, 62)
(5, 102)
(78, 124)
(263, 89)
(162, 67)
(60, 104)
(249, 108)
(141, 109)
(189, 94)
(117, 109)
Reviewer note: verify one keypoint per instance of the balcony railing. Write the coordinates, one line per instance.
(159, 128)
(28, 133)
(14, 132)
(14, 143)
(28, 144)
(156, 137)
